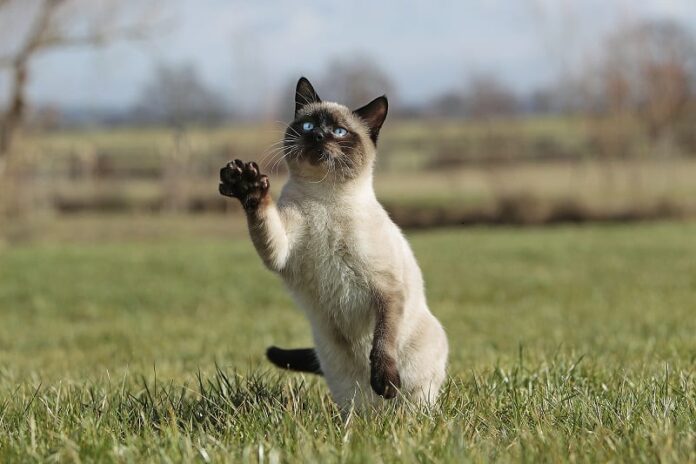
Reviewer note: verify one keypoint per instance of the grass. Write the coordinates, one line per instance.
(567, 344)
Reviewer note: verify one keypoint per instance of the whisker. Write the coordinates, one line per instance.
(270, 155)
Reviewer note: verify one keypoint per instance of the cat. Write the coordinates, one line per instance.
(342, 258)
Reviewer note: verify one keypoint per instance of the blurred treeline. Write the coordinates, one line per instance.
(610, 138)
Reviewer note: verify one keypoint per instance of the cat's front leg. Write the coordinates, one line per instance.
(267, 227)
(384, 374)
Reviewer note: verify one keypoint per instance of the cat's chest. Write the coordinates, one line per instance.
(329, 265)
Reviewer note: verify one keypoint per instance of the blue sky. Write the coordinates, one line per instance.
(251, 49)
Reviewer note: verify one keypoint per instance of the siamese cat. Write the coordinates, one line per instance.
(342, 258)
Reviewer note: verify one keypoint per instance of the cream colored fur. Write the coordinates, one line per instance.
(331, 242)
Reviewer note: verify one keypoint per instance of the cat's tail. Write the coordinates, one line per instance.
(301, 360)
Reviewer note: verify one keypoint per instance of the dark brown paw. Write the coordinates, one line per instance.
(245, 182)
(384, 376)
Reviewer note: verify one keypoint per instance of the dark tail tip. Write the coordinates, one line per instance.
(300, 360)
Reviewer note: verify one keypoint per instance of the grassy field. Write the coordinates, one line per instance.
(567, 344)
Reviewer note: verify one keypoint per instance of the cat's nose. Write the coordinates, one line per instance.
(318, 136)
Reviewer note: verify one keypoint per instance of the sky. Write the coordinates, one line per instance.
(249, 50)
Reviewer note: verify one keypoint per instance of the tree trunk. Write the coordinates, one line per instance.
(15, 110)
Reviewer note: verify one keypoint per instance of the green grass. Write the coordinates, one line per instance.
(567, 344)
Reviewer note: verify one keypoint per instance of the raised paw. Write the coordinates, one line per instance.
(384, 375)
(245, 182)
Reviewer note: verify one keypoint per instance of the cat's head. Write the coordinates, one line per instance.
(329, 141)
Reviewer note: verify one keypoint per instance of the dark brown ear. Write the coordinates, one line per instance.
(304, 94)
(374, 114)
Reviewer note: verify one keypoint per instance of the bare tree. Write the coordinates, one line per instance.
(355, 81)
(649, 68)
(56, 24)
(176, 95)
(452, 103)
(488, 97)
(644, 72)
(484, 96)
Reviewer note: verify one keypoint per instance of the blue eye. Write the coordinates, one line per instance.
(340, 132)
(307, 126)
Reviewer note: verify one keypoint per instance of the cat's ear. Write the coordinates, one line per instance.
(304, 94)
(374, 114)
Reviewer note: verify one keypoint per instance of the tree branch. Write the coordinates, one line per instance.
(48, 30)
(38, 29)
(96, 39)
